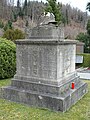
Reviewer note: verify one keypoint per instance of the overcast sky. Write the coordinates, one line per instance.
(80, 4)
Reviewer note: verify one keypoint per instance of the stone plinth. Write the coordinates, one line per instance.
(50, 31)
(48, 61)
(45, 73)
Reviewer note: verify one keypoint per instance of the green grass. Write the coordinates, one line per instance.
(13, 111)
(5, 82)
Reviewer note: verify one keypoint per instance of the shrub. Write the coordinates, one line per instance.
(13, 34)
(5, 27)
(82, 37)
(86, 60)
(9, 34)
(18, 34)
(7, 58)
(8, 25)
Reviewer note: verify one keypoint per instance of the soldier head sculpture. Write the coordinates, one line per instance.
(48, 18)
(48, 29)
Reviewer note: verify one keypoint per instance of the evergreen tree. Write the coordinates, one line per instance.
(88, 27)
(25, 7)
(67, 20)
(18, 4)
(85, 38)
(88, 32)
(88, 6)
(82, 37)
(54, 8)
(18, 7)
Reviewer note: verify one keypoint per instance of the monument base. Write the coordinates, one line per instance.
(56, 98)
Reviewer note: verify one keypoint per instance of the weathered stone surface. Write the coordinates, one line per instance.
(50, 31)
(53, 102)
(51, 62)
(45, 73)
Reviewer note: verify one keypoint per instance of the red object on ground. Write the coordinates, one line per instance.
(73, 85)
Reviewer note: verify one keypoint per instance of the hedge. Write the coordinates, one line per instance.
(86, 60)
(7, 58)
(12, 34)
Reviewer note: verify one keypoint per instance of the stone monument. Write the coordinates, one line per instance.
(46, 75)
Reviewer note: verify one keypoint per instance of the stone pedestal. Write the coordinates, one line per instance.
(45, 72)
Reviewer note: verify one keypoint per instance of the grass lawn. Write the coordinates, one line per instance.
(14, 111)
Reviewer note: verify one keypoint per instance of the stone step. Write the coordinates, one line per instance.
(45, 81)
(43, 88)
(53, 102)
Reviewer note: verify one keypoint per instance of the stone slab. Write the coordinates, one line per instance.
(85, 76)
(45, 41)
(44, 100)
(45, 88)
(79, 59)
